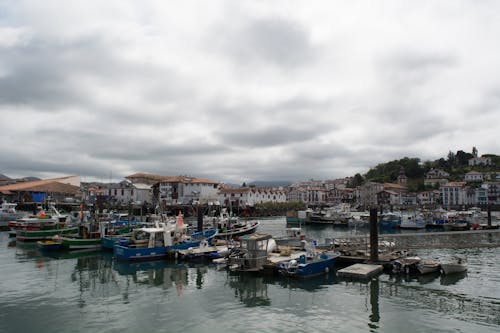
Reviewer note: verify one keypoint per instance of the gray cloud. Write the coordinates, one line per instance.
(276, 41)
(243, 92)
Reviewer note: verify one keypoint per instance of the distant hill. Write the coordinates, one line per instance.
(32, 178)
(4, 177)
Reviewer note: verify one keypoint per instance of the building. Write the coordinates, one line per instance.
(296, 194)
(473, 176)
(250, 196)
(387, 197)
(479, 161)
(453, 194)
(368, 193)
(436, 177)
(428, 198)
(177, 190)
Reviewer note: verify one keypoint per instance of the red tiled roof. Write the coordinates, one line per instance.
(46, 185)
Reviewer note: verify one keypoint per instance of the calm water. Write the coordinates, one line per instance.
(94, 293)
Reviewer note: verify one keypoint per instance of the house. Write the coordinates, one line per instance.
(387, 197)
(473, 176)
(479, 161)
(436, 177)
(428, 197)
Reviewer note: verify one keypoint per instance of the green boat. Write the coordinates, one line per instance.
(36, 235)
(77, 243)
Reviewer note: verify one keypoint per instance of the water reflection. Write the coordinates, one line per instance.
(311, 284)
(154, 273)
(251, 290)
(374, 302)
(451, 279)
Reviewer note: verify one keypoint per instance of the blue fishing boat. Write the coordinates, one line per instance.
(306, 267)
(157, 242)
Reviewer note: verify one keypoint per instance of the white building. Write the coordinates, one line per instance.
(473, 176)
(479, 161)
(453, 194)
(172, 190)
(250, 196)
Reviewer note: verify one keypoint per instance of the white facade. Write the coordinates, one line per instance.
(250, 196)
(187, 190)
(473, 176)
(454, 194)
(479, 161)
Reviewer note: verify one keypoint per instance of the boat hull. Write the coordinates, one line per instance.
(237, 232)
(452, 268)
(124, 251)
(70, 243)
(305, 270)
(36, 235)
(48, 245)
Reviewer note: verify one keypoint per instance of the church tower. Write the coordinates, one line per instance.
(402, 179)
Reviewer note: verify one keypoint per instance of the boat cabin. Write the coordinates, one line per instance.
(252, 255)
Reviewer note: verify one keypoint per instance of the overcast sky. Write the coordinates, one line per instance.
(238, 91)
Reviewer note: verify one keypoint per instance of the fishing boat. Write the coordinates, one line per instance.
(389, 220)
(151, 243)
(455, 266)
(8, 212)
(412, 221)
(41, 221)
(294, 237)
(428, 266)
(308, 265)
(43, 234)
(202, 252)
(229, 227)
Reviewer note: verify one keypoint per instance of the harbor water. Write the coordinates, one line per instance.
(92, 292)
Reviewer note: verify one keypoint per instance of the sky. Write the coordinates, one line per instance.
(237, 91)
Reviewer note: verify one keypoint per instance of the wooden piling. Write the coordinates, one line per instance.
(373, 235)
(489, 216)
(200, 218)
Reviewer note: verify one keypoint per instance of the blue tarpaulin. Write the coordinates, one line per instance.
(39, 197)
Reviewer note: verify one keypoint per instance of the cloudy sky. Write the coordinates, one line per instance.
(238, 91)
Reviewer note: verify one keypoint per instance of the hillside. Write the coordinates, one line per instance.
(456, 164)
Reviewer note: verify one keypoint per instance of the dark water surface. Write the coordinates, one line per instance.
(94, 293)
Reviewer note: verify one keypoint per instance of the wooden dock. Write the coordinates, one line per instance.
(360, 271)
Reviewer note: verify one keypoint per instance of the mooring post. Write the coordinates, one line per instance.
(489, 216)
(200, 218)
(373, 235)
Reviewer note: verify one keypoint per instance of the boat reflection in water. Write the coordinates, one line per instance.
(451, 279)
(251, 290)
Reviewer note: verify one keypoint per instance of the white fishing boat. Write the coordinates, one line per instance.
(412, 221)
(8, 212)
